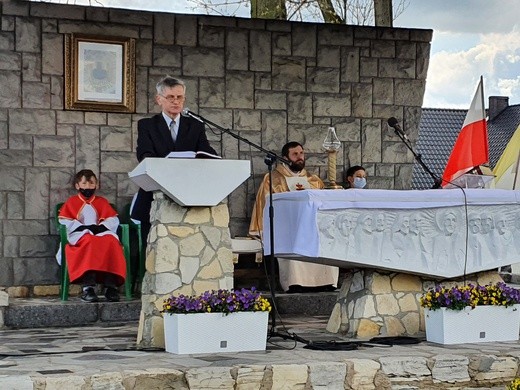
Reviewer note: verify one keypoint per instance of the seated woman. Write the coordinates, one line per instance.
(94, 253)
(356, 177)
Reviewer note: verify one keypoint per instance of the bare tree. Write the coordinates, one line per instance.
(328, 12)
(359, 12)
(268, 9)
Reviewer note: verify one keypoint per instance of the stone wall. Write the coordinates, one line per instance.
(269, 81)
(188, 253)
(373, 303)
(436, 370)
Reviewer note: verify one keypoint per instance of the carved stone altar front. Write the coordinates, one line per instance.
(188, 252)
(427, 241)
(437, 233)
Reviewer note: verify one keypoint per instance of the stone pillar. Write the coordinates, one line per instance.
(188, 252)
(372, 303)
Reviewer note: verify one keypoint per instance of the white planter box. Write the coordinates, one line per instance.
(483, 323)
(215, 332)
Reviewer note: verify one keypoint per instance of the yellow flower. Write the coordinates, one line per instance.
(514, 385)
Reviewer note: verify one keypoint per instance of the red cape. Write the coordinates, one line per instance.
(72, 208)
(93, 253)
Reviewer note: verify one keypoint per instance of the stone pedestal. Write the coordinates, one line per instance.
(188, 252)
(372, 303)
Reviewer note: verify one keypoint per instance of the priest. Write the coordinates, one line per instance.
(295, 276)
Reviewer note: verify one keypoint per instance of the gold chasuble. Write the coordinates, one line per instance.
(280, 175)
(292, 272)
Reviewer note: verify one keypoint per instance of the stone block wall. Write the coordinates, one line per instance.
(269, 81)
(188, 253)
(373, 303)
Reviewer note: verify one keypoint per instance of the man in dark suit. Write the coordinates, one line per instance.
(164, 133)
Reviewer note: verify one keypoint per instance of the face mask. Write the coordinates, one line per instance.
(360, 182)
(87, 192)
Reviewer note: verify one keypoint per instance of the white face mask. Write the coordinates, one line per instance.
(360, 182)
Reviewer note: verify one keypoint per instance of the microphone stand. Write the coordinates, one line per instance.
(436, 181)
(270, 159)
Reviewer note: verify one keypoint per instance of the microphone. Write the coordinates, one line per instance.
(187, 113)
(392, 122)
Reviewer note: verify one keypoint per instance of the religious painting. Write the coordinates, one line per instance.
(99, 73)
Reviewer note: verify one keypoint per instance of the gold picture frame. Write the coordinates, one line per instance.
(99, 73)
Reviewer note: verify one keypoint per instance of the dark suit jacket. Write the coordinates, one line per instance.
(154, 140)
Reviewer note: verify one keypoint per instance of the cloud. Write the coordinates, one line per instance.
(509, 87)
(455, 16)
(453, 75)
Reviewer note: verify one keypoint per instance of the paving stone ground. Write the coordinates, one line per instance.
(47, 358)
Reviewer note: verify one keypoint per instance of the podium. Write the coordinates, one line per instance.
(191, 181)
(189, 245)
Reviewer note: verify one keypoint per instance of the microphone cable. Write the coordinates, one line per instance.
(394, 123)
(466, 230)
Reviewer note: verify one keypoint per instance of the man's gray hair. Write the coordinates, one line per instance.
(169, 82)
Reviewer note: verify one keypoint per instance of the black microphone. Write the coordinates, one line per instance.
(392, 122)
(186, 112)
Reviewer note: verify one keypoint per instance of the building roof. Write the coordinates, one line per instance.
(438, 131)
(500, 131)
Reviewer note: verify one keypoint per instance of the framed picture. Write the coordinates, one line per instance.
(99, 73)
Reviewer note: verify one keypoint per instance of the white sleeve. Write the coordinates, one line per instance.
(111, 224)
(71, 225)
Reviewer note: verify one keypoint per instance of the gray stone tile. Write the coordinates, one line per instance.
(96, 350)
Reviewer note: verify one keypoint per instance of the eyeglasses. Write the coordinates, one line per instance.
(173, 98)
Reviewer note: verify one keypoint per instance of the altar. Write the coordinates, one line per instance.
(439, 233)
(399, 244)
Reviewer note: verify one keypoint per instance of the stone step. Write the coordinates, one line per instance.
(310, 304)
(51, 312)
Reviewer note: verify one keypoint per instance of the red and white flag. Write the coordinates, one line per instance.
(471, 148)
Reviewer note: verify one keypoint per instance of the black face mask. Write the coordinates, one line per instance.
(87, 192)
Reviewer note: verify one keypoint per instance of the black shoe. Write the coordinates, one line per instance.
(89, 295)
(295, 289)
(112, 294)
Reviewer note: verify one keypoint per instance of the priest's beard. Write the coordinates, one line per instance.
(297, 166)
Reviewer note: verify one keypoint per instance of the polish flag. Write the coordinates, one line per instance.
(471, 148)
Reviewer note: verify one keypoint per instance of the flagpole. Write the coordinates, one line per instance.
(482, 97)
(516, 170)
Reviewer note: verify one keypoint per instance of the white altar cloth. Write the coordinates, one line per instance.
(443, 233)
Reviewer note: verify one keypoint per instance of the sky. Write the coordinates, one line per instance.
(470, 38)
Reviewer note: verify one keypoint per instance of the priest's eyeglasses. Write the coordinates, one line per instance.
(174, 98)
